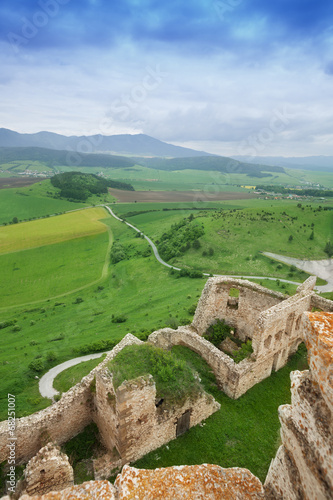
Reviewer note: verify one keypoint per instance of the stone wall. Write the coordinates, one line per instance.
(199, 482)
(138, 424)
(303, 466)
(241, 313)
(57, 423)
(49, 470)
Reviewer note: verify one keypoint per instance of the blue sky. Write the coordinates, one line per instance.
(231, 77)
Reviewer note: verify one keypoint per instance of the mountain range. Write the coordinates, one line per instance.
(125, 144)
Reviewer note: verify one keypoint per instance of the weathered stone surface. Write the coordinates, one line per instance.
(61, 421)
(49, 470)
(303, 467)
(135, 424)
(91, 490)
(206, 482)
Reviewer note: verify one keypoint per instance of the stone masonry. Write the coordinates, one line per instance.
(49, 470)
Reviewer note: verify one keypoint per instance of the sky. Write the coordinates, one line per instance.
(231, 77)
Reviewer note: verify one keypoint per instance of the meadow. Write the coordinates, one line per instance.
(37, 200)
(238, 236)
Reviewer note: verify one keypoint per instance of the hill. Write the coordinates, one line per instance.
(53, 158)
(317, 163)
(211, 163)
(124, 144)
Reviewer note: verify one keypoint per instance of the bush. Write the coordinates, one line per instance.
(244, 352)
(217, 332)
(51, 356)
(173, 377)
(118, 319)
(37, 365)
(78, 300)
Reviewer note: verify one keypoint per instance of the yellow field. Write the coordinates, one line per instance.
(52, 230)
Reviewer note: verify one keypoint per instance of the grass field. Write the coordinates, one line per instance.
(139, 288)
(52, 230)
(33, 201)
(238, 236)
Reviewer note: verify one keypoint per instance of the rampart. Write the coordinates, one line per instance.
(61, 421)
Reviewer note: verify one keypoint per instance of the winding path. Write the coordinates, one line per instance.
(46, 388)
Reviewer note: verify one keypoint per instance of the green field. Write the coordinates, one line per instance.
(34, 201)
(238, 236)
(139, 288)
(78, 224)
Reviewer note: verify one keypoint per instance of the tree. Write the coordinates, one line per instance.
(15, 220)
(329, 249)
(290, 238)
(311, 236)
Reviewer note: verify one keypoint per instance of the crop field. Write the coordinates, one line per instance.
(176, 196)
(52, 230)
(36, 200)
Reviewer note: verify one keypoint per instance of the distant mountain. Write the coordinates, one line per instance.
(54, 158)
(125, 144)
(321, 163)
(209, 163)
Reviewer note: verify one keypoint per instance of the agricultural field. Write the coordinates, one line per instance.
(53, 256)
(36, 200)
(102, 297)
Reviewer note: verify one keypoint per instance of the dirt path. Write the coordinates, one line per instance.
(321, 268)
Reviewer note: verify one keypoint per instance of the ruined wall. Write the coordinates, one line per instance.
(241, 312)
(49, 470)
(57, 423)
(232, 378)
(321, 303)
(279, 329)
(303, 466)
(139, 426)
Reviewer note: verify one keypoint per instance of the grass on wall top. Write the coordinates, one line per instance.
(174, 379)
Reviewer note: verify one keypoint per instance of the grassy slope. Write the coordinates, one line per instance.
(32, 201)
(237, 237)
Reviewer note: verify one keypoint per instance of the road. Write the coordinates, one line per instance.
(46, 388)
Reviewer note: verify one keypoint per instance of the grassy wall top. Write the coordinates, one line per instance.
(174, 379)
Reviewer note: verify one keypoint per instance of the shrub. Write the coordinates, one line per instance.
(244, 352)
(217, 332)
(118, 319)
(51, 356)
(37, 365)
(173, 377)
(78, 300)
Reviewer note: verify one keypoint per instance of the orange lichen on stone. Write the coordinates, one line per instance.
(96, 490)
(322, 328)
(200, 482)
